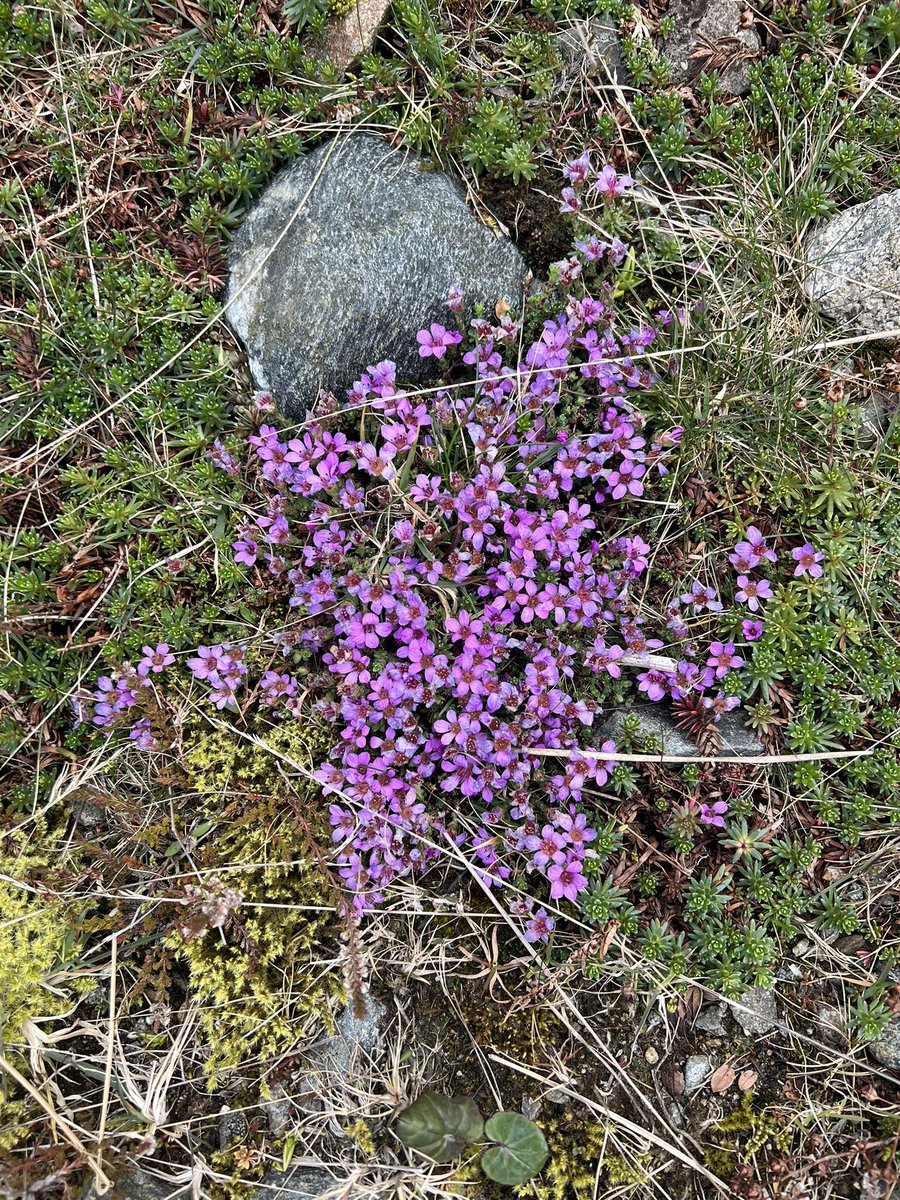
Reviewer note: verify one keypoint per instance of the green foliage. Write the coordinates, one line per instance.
(440, 1127)
(37, 940)
(520, 1150)
(443, 1127)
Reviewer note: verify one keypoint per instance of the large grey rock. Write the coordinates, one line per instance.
(593, 47)
(302, 1183)
(138, 1184)
(346, 255)
(886, 1049)
(853, 266)
(656, 721)
(708, 37)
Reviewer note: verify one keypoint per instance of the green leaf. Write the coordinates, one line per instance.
(521, 1150)
(440, 1126)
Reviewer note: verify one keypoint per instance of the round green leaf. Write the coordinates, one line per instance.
(440, 1126)
(520, 1152)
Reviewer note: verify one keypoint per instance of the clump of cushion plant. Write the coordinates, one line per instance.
(460, 602)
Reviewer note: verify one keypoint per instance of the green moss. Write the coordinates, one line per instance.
(35, 941)
(263, 983)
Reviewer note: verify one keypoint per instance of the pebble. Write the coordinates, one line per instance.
(696, 1070)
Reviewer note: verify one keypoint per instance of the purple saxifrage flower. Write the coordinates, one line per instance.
(808, 560)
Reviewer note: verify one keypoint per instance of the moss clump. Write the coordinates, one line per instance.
(264, 978)
(35, 939)
(742, 1134)
(340, 8)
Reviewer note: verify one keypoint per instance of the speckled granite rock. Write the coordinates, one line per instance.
(853, 272)
(657, 721)
(350, 36)
(317, 295)
(708, 32)
(756, 1011)
(302, 1183)
(593, 46)
(886, 1049)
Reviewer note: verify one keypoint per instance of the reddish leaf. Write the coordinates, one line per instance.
(722, 1079)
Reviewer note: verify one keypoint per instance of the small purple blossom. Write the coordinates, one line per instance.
(714, 814)
(155, 660)
(435, 340)
(751, 591)
(808, 560)
(539, 928)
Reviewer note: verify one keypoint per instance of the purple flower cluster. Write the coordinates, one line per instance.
(450, 582)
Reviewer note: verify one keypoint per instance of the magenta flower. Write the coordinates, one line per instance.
(752, 630)
(752, 591)
(454, 300)
(246, 551)
(435, 341)
(610, 184)
(714, 814)
(570, 202)
(155, 660)
(722, 659)
(808, 560)
(539, 928)
(566, 879)
(578, 169)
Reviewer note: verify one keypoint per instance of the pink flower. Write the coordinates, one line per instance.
(752, 630)
(752, 591)
(610, 184)
(714, 814)
(434, 341)
(566, 879)
(808, 560)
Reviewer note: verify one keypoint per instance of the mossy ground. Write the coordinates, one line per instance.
(138, 134)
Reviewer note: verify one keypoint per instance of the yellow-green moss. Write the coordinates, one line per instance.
(35, 937)
(340, 8)
(271, 976)
(741, 1134)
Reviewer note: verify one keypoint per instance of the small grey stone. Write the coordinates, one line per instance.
(887, 1047)
(655, 721)
(710, 1020)
(755, 1011)
(277, 1107)
(323, 285)
(873, 419)
(702, 24)
(831, 1025)
(347, 38)
(853, 271)
(593, 46)
(696, 1070)
(232, 1127)
(676, 1115)
(354, 1039)
(301, 1183)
